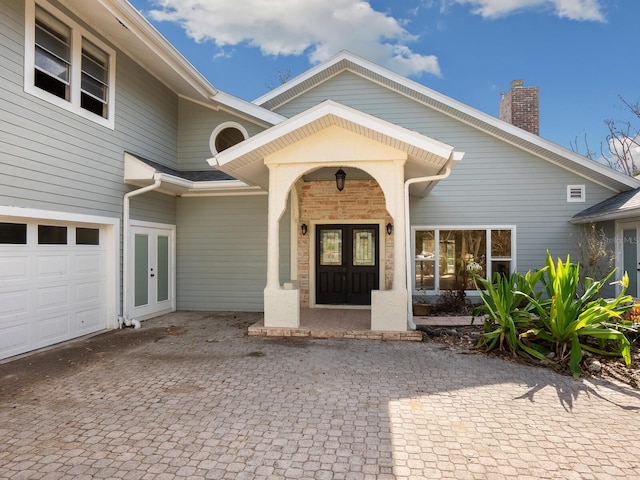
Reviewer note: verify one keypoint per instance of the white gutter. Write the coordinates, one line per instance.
(125, 240)
(454, 157)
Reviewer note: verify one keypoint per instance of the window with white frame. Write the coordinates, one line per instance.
(446, 257)
(67, 66)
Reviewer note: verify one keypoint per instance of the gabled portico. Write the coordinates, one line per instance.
(324, 139)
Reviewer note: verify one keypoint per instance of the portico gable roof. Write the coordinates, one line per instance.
(245, 161)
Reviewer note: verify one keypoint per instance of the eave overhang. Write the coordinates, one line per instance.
(346, 61)
(622, 206)
(246, 161)
(140, 173)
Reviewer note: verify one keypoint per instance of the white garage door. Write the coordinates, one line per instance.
(53, 283)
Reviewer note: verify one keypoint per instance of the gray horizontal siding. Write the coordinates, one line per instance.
(222, 253)
(196, 125)
(495, 184)
(53, 159)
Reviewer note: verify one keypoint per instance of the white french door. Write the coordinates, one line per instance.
(153, 272)
(628, 234)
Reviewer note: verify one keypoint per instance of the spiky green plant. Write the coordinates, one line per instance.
(565, 317)
(508, 312)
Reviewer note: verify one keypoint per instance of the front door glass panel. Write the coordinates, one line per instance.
(331, 247)
(364, 247)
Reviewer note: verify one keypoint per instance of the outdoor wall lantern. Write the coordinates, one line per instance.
(340, 176)
(303, 228)
(389, 228)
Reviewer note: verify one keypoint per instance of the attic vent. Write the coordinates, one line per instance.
(576, 193)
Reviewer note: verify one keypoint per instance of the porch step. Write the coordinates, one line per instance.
(259, 330)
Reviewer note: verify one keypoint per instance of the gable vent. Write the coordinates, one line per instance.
(575, 193)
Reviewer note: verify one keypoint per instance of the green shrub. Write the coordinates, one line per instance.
(565, 317)
(508, 312)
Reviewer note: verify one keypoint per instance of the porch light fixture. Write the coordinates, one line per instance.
(303, 228)
(340, 176)
(389, 228)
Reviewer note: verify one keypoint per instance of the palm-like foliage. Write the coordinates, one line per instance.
(508, 311)
(565, 316)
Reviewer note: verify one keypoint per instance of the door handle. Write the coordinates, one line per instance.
(152, 274)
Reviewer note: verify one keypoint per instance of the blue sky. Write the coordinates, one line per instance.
(580, 53)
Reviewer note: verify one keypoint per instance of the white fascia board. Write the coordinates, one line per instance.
(618, 215)
(324, 109)
(189, 186)
(149, 35)
(342, 55)
(247, 108)
(465, 110)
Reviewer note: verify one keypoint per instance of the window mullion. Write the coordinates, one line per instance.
(436, 263)
(76, 67)
(488, 264)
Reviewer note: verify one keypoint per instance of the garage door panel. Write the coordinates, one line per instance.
(52, 329)
(15, 268)
(52, 297)
(89, 292)
(14, 339)
(89, 264)
(90, 320)
(14, 303)
(52, 266)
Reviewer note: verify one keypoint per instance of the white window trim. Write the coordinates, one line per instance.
(219, 128)
(77, 34)
(583, 193)
(437, 229)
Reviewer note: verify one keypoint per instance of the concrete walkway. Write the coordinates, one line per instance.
(191, 396)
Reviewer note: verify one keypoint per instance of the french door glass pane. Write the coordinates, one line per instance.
(141, 270)
(364, 247)
(331, 247)
(630, 255)
(163, 268)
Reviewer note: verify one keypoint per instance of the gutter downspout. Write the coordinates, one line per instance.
(125, 240)
(407, 227)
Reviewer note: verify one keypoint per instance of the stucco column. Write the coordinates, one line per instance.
(281, 307)
(273, 222)
(389, 307)
(399, 240)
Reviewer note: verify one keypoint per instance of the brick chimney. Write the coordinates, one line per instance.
(519, 106)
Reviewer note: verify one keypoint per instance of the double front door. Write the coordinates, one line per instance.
(347, 264)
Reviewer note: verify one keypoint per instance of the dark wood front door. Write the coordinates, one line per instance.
(346, 264)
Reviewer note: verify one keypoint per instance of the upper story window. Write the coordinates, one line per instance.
(226, 135)
(67, 66)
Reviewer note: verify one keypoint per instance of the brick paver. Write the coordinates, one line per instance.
(214, 403)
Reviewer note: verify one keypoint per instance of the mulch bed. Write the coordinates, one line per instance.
(463, 340)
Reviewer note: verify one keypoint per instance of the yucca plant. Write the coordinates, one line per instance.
(565, 316)
(508, 311)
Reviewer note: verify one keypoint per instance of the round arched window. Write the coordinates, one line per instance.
(227, 135)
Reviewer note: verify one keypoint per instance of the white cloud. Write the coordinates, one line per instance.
(571, 9)
(318, 29)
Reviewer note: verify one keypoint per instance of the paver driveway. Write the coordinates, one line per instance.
(190, 395)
